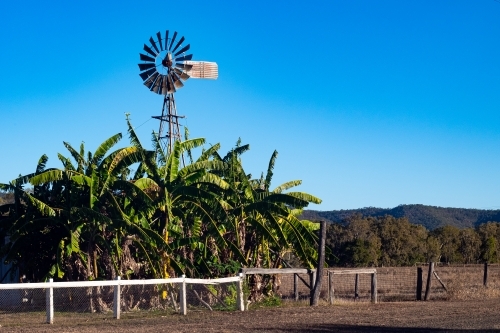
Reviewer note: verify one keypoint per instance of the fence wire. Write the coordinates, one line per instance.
(262, 288)
(397, 284)
(394, 284)
(23, 300)
(345, 287)
(286, 288)
(462, 282)
(91, 303)
(212, 297)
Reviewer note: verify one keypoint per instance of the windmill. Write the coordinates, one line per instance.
(164, 68)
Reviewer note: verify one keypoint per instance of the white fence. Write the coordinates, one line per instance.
(101, 296)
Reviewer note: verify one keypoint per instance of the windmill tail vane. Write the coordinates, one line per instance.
(164, 68)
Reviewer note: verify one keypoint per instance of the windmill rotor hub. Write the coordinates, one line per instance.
(167, 60)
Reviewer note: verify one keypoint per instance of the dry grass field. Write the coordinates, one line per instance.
(435, 316)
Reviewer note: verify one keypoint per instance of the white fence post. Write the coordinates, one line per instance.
(240, 297)
(183, 296)
(116, 299)
(49, 303)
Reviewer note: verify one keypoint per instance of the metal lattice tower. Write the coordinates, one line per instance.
(169, 130)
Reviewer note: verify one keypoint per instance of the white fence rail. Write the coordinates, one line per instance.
(101, 293)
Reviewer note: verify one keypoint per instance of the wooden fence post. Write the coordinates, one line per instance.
(429, 279)
(440, 281)
(296, 286)
(331, 290)
(374, 288)
(321, 264)
(49, 303)
(485, 277)
(183, 296)
(356, 287)
(419, 283)
(116, 299)
(240, 297)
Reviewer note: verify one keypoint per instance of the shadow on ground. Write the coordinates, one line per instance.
(323, 328)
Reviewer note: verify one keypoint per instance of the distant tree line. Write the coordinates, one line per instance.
(431, 217)
(390, 241)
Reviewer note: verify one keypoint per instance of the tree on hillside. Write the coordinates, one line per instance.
(403, 244)
(489, 233)
(470, 245)
(356, 244)
(449, 240)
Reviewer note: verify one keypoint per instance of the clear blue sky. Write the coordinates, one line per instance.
(370, 103)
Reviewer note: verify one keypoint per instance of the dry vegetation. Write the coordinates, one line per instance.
(435, 316)
(463, 282)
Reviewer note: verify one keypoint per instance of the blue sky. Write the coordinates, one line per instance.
(370, 103)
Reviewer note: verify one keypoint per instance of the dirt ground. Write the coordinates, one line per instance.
(434, 316)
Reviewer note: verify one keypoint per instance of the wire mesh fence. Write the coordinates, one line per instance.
(349, 287)
(301, 291)
(394, 284)
(38, 302)
(213, 297)
(462, 282)
(265, 285)
(27, 300)
(83, 299)
(397, 284)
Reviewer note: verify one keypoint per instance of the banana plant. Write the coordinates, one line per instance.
(86, 207)
(263, 220)
(184, 199)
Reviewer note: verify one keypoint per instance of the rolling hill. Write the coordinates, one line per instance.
(430, 217)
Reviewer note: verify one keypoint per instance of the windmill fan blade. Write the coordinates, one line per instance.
(166, 40)
(148, 50)
(151, 80)
(178, 44)
(184, 49)
(164, 88)
(158, 34)
(177, 81)
(184, 66)
(184, 76)
(171, 87)
(178, 84)
(173, 40)
(146, 58)
(148, 73)
(157, 84)
(143, 67)
(188, 57)
(152, 41)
